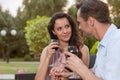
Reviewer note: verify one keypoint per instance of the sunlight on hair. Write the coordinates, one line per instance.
(104, 1)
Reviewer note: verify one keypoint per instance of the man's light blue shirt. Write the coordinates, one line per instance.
(107, 65)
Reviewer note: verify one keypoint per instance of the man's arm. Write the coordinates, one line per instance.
(76, 65)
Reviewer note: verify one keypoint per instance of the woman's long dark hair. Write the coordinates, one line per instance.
(76, 38)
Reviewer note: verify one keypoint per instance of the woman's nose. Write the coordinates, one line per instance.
(64, 30)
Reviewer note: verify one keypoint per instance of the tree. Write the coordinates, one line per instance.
(115, 11)
(36, 33)
(73, 11)
(33, 8)
(8, 22)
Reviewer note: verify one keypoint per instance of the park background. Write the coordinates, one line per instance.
(22, 49)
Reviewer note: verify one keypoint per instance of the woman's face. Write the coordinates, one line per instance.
(62, 29)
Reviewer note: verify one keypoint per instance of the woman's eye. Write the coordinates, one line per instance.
(59, 28)
(67, 26)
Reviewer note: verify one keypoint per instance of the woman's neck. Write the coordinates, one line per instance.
(63, 46)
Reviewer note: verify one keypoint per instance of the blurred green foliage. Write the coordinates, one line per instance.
(115, 11)
(33, 8)
(73, 12)
(36, 33)
(27, 58)
(93, 50)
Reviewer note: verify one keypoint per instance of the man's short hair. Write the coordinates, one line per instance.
(94, 8)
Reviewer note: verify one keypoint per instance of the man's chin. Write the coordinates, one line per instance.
(86, 35)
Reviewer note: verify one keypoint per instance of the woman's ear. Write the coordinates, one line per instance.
(53, 32)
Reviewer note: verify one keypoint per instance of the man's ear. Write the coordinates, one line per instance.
(91, 21)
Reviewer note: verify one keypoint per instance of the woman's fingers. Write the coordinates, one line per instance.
(55, 70)
(51, 47)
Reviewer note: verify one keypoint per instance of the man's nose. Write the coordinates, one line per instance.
(79, 27)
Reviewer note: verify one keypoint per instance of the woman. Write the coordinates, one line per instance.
(63, 28)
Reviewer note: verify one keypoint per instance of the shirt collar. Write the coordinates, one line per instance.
(108, 35)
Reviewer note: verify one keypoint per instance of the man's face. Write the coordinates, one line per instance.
(83, 25)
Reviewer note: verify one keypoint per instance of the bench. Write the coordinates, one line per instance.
(25, 76)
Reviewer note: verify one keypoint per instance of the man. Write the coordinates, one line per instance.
(93, 19)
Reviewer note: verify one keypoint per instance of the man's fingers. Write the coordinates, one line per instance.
(68, 54)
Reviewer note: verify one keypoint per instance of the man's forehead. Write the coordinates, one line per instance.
(78, 13)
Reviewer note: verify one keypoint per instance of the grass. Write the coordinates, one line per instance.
(12, 67)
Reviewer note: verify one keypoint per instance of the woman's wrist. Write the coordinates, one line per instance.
(48, 55)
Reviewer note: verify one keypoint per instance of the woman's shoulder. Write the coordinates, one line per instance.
(84, 48)
(44, 50)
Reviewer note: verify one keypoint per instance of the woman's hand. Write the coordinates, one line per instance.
(56, 70)
(60, 73)
(51, 48)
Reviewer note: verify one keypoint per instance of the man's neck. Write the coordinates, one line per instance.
(101, 30)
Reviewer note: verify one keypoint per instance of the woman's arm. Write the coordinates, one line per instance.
(44, 61)
(43, 66)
